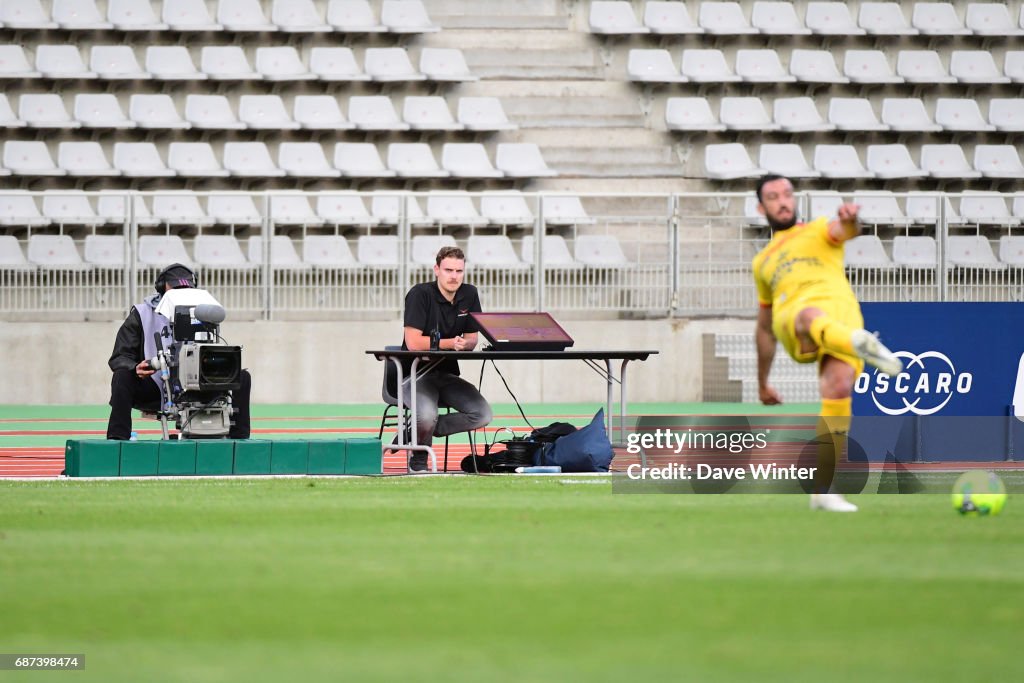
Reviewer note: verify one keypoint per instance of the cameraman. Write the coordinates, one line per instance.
(135, 384)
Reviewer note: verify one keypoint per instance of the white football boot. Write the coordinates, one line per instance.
(831, 502)
(874, 352)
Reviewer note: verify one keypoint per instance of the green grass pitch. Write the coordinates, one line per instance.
(501, 579)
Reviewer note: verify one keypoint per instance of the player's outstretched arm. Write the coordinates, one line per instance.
(764, 339)
(846, 225)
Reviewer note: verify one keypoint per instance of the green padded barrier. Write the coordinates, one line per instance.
(327, 457)
(215, 456)
(289, 457)
(139, 458)
(177, 457)
(363, 456)
(92, 458)
(252, 457)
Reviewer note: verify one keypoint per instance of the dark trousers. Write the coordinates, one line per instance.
(128, 390)
(471, 410)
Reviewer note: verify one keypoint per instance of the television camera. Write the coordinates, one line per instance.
(199, 371)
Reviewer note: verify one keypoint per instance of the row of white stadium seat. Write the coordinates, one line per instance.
(297, 16)
(947, 161)
(819, 66)
(344, 208)
(256, 112)
(800, 114)
(325, 251)
(879, 207)
(253, 159)
(230, 63)
(820, 18)
(920, 251)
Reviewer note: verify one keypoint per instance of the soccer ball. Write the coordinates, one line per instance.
(979, 493)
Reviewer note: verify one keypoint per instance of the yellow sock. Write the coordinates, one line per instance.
(833, 426)
(832, 335)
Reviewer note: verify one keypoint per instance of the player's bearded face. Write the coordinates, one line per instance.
(449, 275)
(778, 204)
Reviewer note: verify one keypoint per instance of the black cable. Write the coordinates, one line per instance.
(510, 393)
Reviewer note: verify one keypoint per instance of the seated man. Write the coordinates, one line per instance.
(440, 309)
(135, 384)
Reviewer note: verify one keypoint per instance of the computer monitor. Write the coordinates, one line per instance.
(522, 331)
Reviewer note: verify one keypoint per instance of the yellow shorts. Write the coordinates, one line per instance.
(844, 310)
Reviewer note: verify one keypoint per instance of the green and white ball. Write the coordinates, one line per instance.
(979, 493)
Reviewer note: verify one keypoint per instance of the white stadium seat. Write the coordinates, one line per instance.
(188, 15)
(761, 66)
(521, 160)
(1006, 114)
(328, 252)
(8, 119)
(451, 208)
(506, 208)
(937, 19)
(975, 66)
(691, 113)
(652, 66)
(997, 161)
(335, 64)
(250, 159)
(219, 251)
(985, 208)
(799, 115)
(265, 112)
(839, 161)
(865, 251)
(293, 209)
(884, 19)
(815, 66)
(786, 159)
(353, 16)
(428, 113)
(990, 19)
(922, 66)
(831, 19)
(483, 114)
(390, 64)
(946, 161)
(61, 61)
(100, 110)
(54, 251)
(467, 160)
(305, 160)
(565, 210)
(745, 113)
(25, 14)
(374, 112)
(155, 111)
(133, 15)
(281, 63)
(116, 62)
(319, 112)
(1011, 250)
(707, 66)
(179, 208)
(614, 18)
(892, 161)
(1013, 64)
(243, 15)
(723, 19)
(923, 207)
(112, 206)
(599, 251)
(669, 18)
(139, 160)
(777, 19)
(729, 161)
(84, 159)
(79, 15)
(493, 251)
(70, 208)
(172, 63)
(45, 111)
(406, 16)
(234, 209)
(360, 160)
(971, 251)
(378, 251)
(914, 251)
(344, 208)
(907, 114)
(425, 247)
(104, 250)
(445, 64)
(853, 114)
(282, 253)
(212, 112)
(226, 63)
(194, 160)
(298, 16)
(868, 66)
(555, 252)
(29, 157)
(960, 114)
(19, 208)
(159, 250)
(387, 207)
(414, 160)
(14, 63)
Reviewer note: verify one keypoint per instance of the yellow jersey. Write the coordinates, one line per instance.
(801, 263)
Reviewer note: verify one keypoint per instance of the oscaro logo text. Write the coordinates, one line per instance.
(925, 386)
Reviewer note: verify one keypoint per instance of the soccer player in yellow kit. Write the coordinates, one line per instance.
(807, 304)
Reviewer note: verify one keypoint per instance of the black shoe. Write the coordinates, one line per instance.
(418, 462)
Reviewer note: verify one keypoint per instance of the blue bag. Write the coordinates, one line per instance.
(585, 450)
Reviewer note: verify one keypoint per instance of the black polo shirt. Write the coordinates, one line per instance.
(426, 309)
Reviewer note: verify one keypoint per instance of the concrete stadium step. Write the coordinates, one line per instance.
(574, 112)
(499, 14)
(526, 54)
(617, 160)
